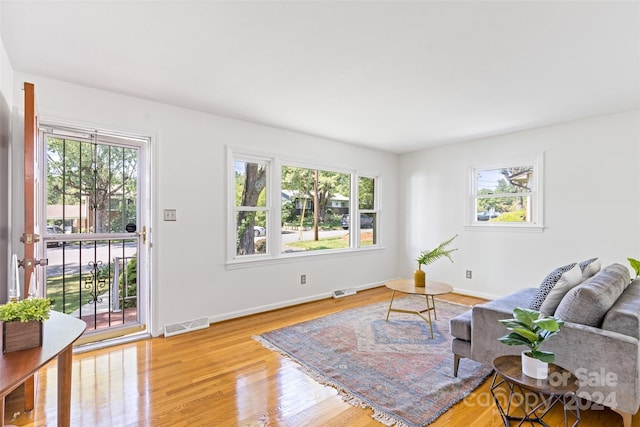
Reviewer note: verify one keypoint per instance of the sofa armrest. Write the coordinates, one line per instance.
(485, 331)
(605, 362)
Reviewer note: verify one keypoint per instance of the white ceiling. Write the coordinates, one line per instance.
(392, 75)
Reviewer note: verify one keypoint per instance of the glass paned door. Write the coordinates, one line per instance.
(95, 234)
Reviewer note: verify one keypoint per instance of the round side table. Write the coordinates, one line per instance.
(529, 400)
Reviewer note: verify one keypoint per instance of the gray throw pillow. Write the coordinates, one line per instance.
(589, 302)
(547, 284)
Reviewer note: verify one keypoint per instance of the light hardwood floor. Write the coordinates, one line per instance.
(220, 376)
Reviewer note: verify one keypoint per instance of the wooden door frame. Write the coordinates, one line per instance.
(29, 238)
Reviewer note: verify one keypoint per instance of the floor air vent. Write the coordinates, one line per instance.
(188, 326)
(339, 293)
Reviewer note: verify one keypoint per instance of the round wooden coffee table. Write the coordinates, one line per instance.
(408, 286)
(529, 399)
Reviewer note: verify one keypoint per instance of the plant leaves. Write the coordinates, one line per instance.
(530, 328)
(514, 339)
(26, 310)
(549, 323)
(545, 356)
(512, 323)
(532, 337)
(429, 257)
(526, 315)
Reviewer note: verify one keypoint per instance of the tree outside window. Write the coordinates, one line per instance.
(251, 207)
(314, 201)
(91, 186)
(313, 205)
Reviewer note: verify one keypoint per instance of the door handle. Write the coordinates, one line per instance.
(143, 234)
(29, 239)
(29, 263)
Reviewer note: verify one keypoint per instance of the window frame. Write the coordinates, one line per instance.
(233, 209)
(273, 208)
(536, 197)
(375, 210)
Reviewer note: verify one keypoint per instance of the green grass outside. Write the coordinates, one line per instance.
(72, 289)
(333, 223)
(337, 242)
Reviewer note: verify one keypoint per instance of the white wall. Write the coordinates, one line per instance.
(190, 279)
(6, 101)
(591, 204)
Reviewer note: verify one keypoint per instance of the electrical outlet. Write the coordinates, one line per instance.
(170, 215)
(468, 274)
(303, 279)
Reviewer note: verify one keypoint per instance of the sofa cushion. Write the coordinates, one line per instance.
(624, 316)
(589, 267)
(547, 284)
(588, 302)
(567, 281)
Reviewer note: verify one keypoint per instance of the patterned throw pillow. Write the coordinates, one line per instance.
(547, 284)
(589, 267)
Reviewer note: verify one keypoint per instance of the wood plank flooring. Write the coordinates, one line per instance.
(220, 376)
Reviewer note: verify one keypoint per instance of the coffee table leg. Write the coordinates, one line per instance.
(428, 310)
(433, 304)
(393, 294)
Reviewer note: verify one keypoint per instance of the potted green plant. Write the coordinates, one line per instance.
(22, 323)
(531, 328)
(428, 257)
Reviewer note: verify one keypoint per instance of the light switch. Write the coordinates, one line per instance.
(170, 215)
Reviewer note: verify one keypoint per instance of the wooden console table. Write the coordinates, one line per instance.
(58, 335)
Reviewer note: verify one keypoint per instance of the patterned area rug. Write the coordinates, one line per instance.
(392, 367)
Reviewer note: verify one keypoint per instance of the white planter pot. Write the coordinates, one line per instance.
(534, 368)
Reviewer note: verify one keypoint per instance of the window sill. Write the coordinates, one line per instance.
(518, 228)
(264, 260)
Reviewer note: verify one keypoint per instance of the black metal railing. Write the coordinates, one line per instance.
(94, 280)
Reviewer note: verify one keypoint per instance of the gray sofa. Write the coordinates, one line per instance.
(599, 341)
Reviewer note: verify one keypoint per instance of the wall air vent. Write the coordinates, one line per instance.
(339, 293)
(188, 326)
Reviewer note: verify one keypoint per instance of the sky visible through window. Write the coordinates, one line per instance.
(488, 179)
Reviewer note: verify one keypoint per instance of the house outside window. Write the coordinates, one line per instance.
(508, 195)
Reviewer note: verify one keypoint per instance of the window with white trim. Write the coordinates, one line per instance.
(507, 195)
(367, 206)
(281, 208)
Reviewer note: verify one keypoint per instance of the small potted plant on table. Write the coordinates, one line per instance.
(22, 323)
(428, 257)
(531, 328)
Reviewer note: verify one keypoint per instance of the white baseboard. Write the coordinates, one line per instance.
(283, 304)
